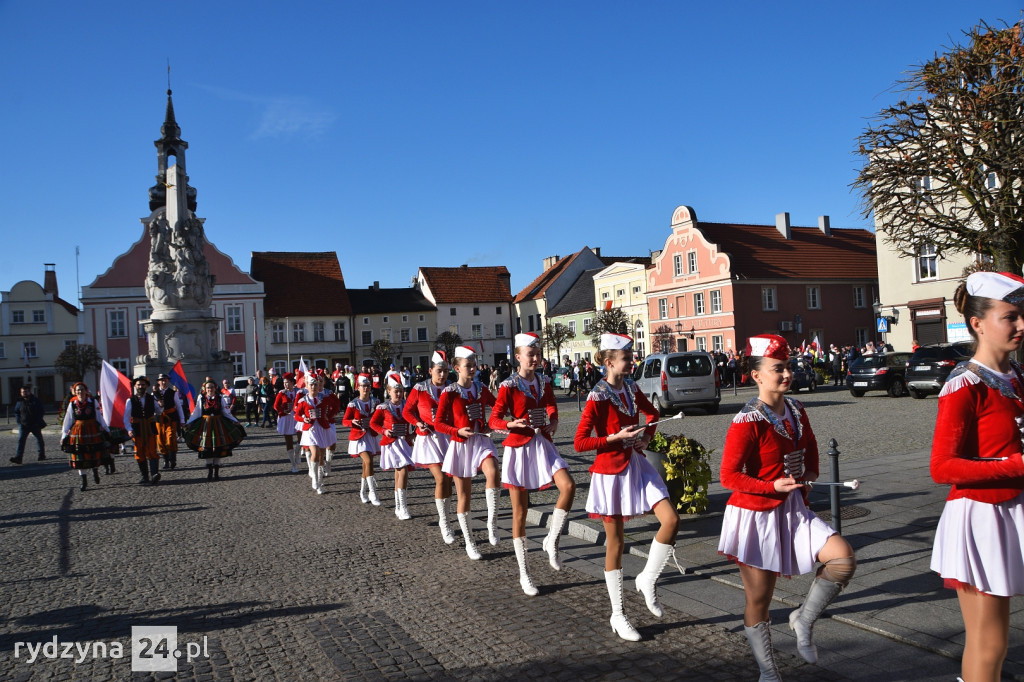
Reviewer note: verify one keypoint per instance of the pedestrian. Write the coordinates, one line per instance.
(396, 441)
(530, 461)
(315, 411)
(265, 395)
(362, 441)
(29, 414)
(430, 447)
(461, 415)
(251, 405)
(212, 431)
(977, 449)
(84, 434)
(228, 395)
(171, 417)
(623, 483)
(140, 412)
(284, 405)
(836, 358)
(770, 456)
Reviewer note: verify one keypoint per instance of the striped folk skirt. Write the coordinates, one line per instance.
(213, 436)
(86, 443)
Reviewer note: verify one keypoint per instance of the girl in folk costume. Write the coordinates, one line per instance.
(316, 413)
(212, 430)
(140, 412)
(530, 461)
(362, 442)
(431, 445)
(979, 543)
(770, 459)
(171, 418)
(84, 435)
(332, 428)
(623, 483)
(284, 405)
(396, 441)
(460, 416)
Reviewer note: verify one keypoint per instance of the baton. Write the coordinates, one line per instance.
(853, 485)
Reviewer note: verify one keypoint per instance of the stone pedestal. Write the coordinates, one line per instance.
(189, 336)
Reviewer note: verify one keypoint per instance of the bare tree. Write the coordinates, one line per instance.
(448, 341)
(944, 168)
(75, 361)
(613, 321)
(663, 337)
(556, 335)
(382, 351)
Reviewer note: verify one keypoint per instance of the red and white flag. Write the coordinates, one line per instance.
(300, 374)
(115, 390)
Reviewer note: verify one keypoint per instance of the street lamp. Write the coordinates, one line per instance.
(679, 328)
(693, 332)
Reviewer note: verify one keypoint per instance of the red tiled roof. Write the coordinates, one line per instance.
(468, 285)
(300, 283)
(538, 286)
(131, 267)
(761, 252)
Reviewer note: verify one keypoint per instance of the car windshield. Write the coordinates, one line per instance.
(931, 353)
(689, 366)
(869, 361)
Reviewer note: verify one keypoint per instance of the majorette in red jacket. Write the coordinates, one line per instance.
(421, 406)
(755, 448)
(452, 407)
(607, 412)
(357, 409)
(978, 412)
(284, 403)
(384, 418)
(517, 397)
(327, 403)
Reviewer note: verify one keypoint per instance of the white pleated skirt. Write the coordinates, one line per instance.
(397, 455)
(632, 492)
(785, 540)
(982, 545)
(532, 466)
(318, 436)
(368, 443)
(429, 450)
(464, 459)
(286, 426)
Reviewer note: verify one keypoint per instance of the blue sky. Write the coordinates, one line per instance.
(402, 134)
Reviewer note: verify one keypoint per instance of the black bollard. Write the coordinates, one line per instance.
(833, 454)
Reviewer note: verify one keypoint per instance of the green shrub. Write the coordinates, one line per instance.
(687, 471)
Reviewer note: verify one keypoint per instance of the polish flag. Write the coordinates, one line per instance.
(115, 390)
(300, 374)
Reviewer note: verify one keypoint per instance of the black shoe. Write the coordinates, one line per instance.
(155, 478)
(209, 473)
(96, 475)
(216, 473)
(85, 482)
(16, 460)
(42, 457)
(167, 465)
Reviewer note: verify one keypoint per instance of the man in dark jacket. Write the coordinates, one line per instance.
(29, 412)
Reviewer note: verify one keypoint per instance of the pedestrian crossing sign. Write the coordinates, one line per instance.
(883, 325)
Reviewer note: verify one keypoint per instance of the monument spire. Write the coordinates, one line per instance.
(170, 144)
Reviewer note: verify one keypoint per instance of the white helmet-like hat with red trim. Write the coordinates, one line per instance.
(464, 352)
(768, 346)
(616, 342)
(438, 358)
(526, 339)
(1002, 286)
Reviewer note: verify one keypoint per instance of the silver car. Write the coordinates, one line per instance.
(673, 381)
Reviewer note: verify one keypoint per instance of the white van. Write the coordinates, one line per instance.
(673, 381)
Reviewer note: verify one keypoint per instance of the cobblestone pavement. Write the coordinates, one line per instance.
(285, 584)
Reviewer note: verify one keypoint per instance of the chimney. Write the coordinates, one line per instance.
(50, 280)
(548, 262)
(824, 225)
(376, 286)
(597, 251)
(782, 224)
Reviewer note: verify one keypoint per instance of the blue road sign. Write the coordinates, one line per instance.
(883, 325)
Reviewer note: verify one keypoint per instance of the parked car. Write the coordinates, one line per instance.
(673, 381)
(929, 366)
(803, 376)
(878, 372)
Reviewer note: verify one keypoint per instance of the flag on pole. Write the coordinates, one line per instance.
(115, 390)
(816, 343)
(300, 373)
(186, 389)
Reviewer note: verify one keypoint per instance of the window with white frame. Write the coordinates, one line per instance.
(70, 343)
(385, 334)
(927, 262)
(768, 301)
(478, 331)
(28, 350)
(677, 265)
(17, 317)
(605, 295)
(636, 290)
(277, 332)
(238, 362)
(813, 298)
(718, 343)
(38, 316)
(318, 331)
(586, 324)
(339, 331)
(116, 324)
(405, 335)
(280, 367)
(453, 328)
(716, 301)
(991, 180)
(923, 184)
(233, 319)
(367, 338)
(862, 336)
(698, 303)
(691, 262)
(120, 364)
(620, 292)
(499, 330)
(143, 315)
(298, 332)
(662, 308)
(572, 326)
(421, 333)
(859, 300)
(702, 343)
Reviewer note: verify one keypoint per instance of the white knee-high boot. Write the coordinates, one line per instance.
(401, 510)
(371, 491)
(362, 491)
(466, 524)
(327, 460)
(647, 578)
(801, 620)
(293, 459)
(442, 521)
(620, 624)
(525, 581)
(760, 639)
(492, 510)
(312, 470)
(550, 543)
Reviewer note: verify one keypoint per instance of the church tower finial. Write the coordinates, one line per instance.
(170, 144)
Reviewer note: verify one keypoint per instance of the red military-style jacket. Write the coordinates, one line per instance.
(353, 412)
(517, 398)
(452, 407)
(420, 406)
(607, 412)
(327, 403)
(284, 402)
(384, 418)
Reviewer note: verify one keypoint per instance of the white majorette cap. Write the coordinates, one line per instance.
(1002, 286)
(768, 346)
(438, 358)
(616, 342)
(464, 352)
(526, 339)
(363, 380)
(394, 379)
